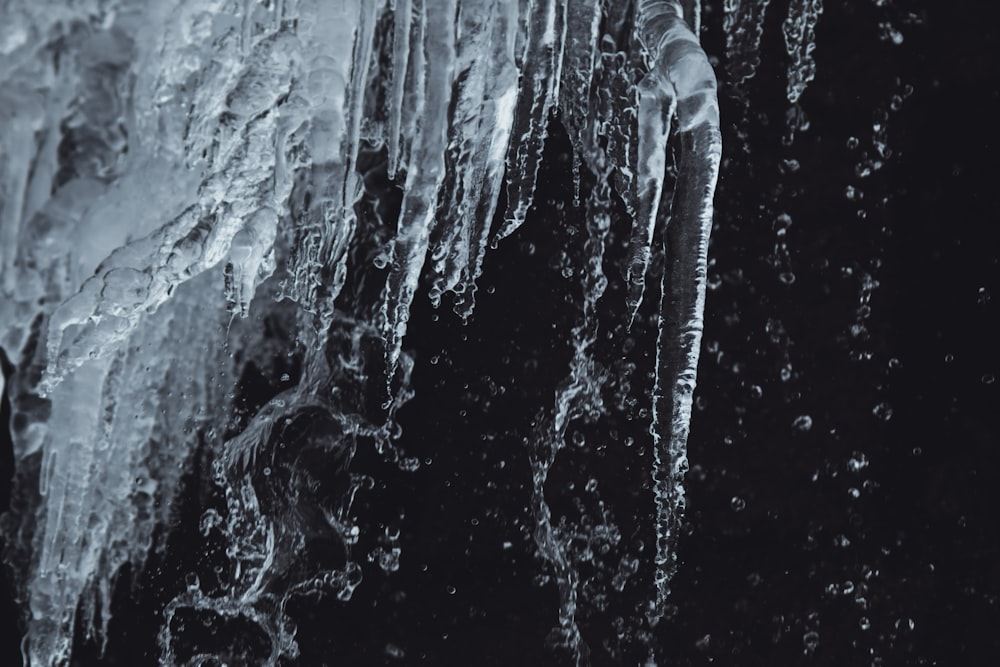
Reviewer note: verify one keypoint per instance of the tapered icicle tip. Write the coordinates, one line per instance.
(393, 332)
(635, 277)
(510, 225)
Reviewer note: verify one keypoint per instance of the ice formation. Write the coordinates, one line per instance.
(191, 192)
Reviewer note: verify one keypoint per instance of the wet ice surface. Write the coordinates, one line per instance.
(248, 429)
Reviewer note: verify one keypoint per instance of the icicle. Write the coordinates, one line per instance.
(481, 125)
(539, 93)
(423, 178)
(451, 240)
(583, 23)
(678, 63)
(111, 500)
(416, 80)
(615, 106)
(64, 569)
(360, 61)
(251, 258)
(800, 42)
(657, 104)
(334, 94)
(17, 148)
(402, 19)
(497, 123)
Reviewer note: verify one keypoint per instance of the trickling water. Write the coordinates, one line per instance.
(800, 41)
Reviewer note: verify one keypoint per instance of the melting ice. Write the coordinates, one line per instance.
(194, 188)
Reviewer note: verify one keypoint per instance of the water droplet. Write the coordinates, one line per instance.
(803, 423)
(209, 520)
(988, 378)
(790, 166)
(857, 462)
(811, 640)
(883, 411)
(409, 464)
(737, 503)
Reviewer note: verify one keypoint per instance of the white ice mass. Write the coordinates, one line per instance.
(180, 189)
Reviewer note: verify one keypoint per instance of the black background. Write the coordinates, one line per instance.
(921, 542)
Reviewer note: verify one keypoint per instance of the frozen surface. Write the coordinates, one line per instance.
(190, 193)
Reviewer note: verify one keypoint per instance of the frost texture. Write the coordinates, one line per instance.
(189, 195)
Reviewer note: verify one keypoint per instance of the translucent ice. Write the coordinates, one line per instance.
(196, 204)
(680, 77)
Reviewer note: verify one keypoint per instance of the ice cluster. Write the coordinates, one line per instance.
(193, 188)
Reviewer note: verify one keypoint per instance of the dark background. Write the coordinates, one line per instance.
(875, 528)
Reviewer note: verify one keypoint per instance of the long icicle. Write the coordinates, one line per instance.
(679, 72)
